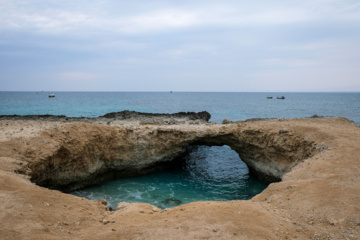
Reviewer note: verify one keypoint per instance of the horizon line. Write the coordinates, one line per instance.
(80, 91)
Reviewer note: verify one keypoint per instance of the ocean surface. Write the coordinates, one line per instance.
(232, 106)
(208, 173)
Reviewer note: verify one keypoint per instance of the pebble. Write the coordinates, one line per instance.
(104, 221)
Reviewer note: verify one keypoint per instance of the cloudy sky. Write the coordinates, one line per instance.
(163, 45)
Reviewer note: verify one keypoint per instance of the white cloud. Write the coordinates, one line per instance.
(50, 22)
(49, 19)
(88, 40)
(165, 19)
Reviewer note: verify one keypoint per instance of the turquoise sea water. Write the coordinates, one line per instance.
(208, 173)
(233, 106)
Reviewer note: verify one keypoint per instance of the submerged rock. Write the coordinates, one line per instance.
(171, 202)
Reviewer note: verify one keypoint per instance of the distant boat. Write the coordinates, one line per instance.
(170, 91)
(51, 95)
(269, 97)
(282, 97)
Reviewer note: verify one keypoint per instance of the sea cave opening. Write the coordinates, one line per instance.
(203, 173)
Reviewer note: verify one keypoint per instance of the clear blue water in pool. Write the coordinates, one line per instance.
(207, 174)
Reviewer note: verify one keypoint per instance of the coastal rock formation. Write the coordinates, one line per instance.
(82, 154)
(315, 160)
(160, 118)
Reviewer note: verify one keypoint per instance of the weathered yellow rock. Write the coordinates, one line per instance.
(316, 158)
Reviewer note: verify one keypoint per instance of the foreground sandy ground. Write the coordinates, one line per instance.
(318, 199)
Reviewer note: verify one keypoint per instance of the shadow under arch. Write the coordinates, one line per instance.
(268, 155)
(222, 167)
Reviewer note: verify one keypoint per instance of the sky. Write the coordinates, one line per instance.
(167, 45)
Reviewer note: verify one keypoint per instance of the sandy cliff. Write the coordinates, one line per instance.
(316, 159)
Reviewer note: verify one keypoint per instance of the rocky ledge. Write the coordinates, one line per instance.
(312, 162)
(123, 116)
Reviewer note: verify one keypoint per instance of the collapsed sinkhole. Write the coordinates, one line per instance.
(202, 173)
(79, 156)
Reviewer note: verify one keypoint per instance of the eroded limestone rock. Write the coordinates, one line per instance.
(318, 198)
(82, 153)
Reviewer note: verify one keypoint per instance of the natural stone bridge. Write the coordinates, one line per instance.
(80, 154)
(316, 160)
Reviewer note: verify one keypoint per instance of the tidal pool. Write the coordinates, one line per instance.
(207, 174)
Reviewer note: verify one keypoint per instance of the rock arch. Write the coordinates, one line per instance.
(83, 154)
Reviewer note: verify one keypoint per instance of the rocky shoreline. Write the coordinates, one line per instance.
(123, 116)
(312, 163)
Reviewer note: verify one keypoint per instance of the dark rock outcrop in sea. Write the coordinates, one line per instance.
(123, 115)
(205, 116)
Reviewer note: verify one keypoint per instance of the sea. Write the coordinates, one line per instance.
(207, 173)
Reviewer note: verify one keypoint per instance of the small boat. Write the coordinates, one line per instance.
(269, 97)
(51, 95)
(282, 97)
